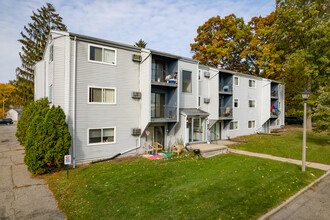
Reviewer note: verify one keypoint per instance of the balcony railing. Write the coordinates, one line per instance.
(226, 112)
(226, 89)
(161, 77)
(164, 112)
(274, 94)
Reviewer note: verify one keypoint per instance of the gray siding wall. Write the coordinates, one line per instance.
(244, 113)
(39, 80)
(123, 115)
(188, 100)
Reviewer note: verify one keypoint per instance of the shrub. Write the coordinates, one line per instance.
(34, 108)
(48, 140)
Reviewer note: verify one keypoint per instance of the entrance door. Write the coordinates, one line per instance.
(157, 105)
(215, 132)
(196, 129)
(156, 135)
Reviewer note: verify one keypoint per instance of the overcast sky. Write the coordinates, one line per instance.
(166, 25)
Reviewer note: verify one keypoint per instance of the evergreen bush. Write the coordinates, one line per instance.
(34, 108)
(48, 140)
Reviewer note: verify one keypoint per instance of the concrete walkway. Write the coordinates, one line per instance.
(21, 196)
(312, 204)
(282, 159)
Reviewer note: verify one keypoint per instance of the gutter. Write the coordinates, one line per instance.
(74, 101)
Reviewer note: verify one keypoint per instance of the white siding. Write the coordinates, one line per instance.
(188, 100)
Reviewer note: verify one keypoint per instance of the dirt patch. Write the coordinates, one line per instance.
(124, 159)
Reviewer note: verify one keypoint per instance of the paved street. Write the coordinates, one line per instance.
(313, 204)
(21, 195)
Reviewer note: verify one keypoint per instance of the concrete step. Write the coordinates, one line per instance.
(209, 150)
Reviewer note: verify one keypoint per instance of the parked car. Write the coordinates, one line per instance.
(6, 121)
(293, 120)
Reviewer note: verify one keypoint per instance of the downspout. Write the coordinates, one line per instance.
(74, 101)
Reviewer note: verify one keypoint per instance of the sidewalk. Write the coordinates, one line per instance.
(21, 196)
(282, 159)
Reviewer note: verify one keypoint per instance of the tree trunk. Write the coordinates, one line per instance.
(309, 108)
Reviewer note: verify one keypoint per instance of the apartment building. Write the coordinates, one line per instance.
(118, 97)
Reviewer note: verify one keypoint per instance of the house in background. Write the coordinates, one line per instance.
(14, 114)
(117, 97)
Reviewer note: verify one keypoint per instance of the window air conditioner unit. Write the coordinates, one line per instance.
(206, 100)
(136, 58)
(135, 131)
(136, 95)
(207, 74)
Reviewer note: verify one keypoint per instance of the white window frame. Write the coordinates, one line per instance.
(191, 78)
(102, 47)
(51, 53)
(102, 143)
(237, 103)
(254, 123)
(255, 83)
(237, 80)
(255, 103)
(102, 103)
(234, 128)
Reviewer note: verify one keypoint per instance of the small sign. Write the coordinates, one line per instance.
(67, 159)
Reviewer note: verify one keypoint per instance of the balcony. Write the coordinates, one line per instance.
(274, 95)
(226, 89)
(226, 113)
(163, 113)
(162, 78)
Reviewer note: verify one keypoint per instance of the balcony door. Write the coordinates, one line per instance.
(157, 105)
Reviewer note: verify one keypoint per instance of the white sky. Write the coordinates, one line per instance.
(166, 25)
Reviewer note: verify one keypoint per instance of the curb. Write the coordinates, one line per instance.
(286, 202)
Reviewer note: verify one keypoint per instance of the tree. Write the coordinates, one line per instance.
(34, 38)
(322, 110)
(40, 108)
(141, 43)
(6, 93)
(48, 140)
(221, 41)
(302, 27)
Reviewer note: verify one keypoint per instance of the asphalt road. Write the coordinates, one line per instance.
(21, 195)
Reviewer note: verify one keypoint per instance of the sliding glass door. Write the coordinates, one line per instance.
(157, 105)
(196, 129)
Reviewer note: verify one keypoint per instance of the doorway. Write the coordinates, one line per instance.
(156, 134)
(196, 129)
(215, 132)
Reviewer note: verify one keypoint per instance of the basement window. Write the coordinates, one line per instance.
(101, 135)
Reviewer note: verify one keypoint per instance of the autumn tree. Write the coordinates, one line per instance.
(322, 110)
(33, 41)
(302, 27)
(221, 41)
(141, 43)
(6, 97)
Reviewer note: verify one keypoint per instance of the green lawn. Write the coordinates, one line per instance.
(227, 187)
(289, 145)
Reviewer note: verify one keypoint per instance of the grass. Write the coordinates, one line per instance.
(289, 145)
(222, 187)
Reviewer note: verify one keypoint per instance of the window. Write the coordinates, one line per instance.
(236, 81)
(186, 81)
(101, 135)
(199, 101)
(233, 125)
(102, 95)
(252, 103)
(199, 74)
(235, 103)
(252, 83)
(102, 54)
(50, 95)
(51, 53)
(252, 124)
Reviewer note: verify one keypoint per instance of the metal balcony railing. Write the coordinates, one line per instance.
(226, 112)
(161, 76)
(274, 94)
(163, 112)
(226, 88)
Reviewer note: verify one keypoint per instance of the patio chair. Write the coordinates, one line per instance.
(148, 148)
(158, 147)
(227, 113)
(177, 149)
